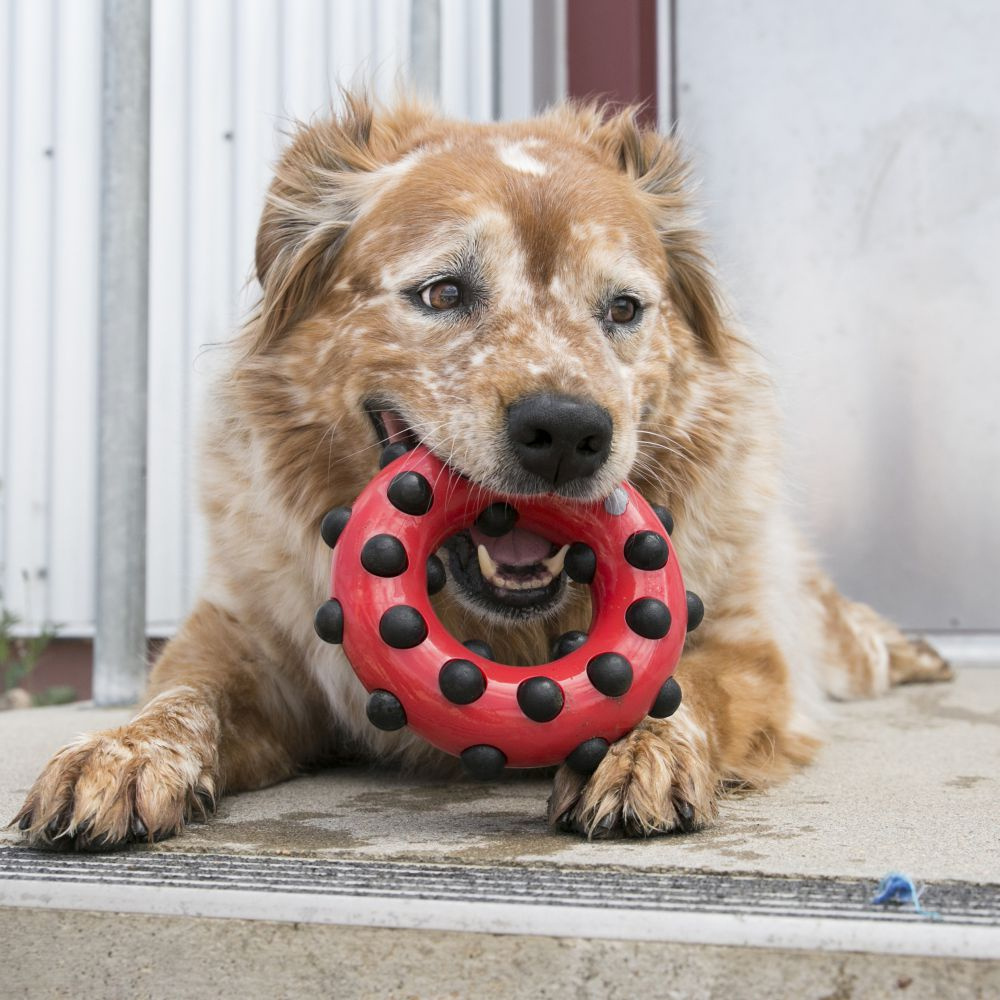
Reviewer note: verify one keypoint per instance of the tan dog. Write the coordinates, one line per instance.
(531, 302)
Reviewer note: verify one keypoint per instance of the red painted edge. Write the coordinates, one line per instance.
(611, 52)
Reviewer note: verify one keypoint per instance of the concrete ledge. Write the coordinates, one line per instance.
(99, 955)
(625, 904)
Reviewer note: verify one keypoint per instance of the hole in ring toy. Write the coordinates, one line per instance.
(493, 715)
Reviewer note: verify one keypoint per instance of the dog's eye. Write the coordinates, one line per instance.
(622, 310)
(442, 295)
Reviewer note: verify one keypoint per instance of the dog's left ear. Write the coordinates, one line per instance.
(662, 177)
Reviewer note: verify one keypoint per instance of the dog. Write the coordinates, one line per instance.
(425, 280)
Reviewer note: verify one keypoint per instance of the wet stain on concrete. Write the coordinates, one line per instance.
(724, 835)
(742, 855)
(969, 715)
(966, 781)
(731, 844)
(930, 704)
(515, 845)
(422, 798)
(278, 835)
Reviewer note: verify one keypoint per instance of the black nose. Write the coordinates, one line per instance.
(559, 438)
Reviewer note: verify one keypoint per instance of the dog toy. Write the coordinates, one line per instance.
(493, 715)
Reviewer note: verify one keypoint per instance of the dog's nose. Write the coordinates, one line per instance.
(559, 438)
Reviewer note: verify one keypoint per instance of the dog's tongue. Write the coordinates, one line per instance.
(519, 547)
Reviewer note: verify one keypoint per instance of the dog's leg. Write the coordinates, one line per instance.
(736, 723)
(865, 653)
(219, 718)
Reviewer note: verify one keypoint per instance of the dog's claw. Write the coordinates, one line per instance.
(57, 828)
(685, 812)
(104, 842)
(24, 822)
(605, 829)
(139, 829)
(565, 822)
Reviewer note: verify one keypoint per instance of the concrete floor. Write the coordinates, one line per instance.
(910, 782)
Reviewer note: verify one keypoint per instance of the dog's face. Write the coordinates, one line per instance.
(499, 294)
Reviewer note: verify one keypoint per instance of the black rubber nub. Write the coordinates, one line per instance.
(410, 493)
(391, 452)
(333, 524)
(667, 701)
(329, 621)
(497, 519)
(384, 555)
(567, 643)
(648, 617)
(461, 682)
(540, 698)
(581, 563)
(610, 673)
(402, 627)
(696, 610)
(484, 762)
(480, 648)
(436, 576)
(646, 550)
(585, 758)
(385, 711)
(666, 518)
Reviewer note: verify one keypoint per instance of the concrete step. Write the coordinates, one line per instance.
(362, 882)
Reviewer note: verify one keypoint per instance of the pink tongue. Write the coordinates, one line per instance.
(518, 547)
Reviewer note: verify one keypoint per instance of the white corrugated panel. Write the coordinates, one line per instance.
(229, 79)
(28, 306)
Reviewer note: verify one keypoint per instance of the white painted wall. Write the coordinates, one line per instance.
(229, 77)
(850, 156)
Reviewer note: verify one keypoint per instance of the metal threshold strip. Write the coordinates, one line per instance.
(690, 907)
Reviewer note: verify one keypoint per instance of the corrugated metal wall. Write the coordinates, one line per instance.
(50, 75)
(229, 76)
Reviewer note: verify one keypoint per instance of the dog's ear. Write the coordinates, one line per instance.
(323, 177)
(662, 177)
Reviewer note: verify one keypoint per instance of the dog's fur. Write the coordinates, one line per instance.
(546, 221)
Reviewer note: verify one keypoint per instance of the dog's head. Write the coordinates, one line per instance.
(524, 299)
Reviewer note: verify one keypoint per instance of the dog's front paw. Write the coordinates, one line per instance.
(654, 780)
(140, 782)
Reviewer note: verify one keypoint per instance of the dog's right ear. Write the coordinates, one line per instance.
(325, 174)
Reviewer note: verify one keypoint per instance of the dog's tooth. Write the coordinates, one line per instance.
(554, 564)
(492, 574)
(486, 564)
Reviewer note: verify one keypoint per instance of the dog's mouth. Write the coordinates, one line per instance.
(390, 426)
(518, 574)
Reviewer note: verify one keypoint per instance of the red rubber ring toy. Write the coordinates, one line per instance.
(490, 714)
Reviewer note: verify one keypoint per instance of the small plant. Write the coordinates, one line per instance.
(19, 654)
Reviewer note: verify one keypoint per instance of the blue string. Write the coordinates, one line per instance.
(899, 888)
